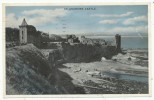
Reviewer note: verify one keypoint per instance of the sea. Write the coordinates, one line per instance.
(127, 42)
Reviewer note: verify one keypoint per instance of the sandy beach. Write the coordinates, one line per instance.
(121, 74)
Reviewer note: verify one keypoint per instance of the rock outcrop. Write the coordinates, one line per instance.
(28, 71)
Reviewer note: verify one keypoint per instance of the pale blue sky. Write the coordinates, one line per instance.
(109, 20)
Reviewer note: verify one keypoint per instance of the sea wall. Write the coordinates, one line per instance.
(77, 52)
(86, 53)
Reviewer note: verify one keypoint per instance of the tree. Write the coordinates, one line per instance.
(12, 34)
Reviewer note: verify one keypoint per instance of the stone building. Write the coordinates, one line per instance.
(72, 39)
(27, 33)
(85, 40)
(23, 32)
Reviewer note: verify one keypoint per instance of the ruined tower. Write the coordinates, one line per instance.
(118, 42)
(23, 32)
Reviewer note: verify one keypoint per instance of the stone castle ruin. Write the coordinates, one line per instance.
(71, 47)
(27, 35)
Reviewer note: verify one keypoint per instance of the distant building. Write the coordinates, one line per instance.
(72, 39)
(85, 40)
(27, 33)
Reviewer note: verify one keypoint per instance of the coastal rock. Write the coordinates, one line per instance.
(103, 59)
(27, 71)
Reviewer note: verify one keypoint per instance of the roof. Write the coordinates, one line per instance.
(24, 23)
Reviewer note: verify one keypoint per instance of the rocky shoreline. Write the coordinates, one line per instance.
(40, 76)
(115, 86)
(128, 77)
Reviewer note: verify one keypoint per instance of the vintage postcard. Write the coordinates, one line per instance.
(77, 50)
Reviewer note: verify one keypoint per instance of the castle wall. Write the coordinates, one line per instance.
(84, 53)
(30, 39)
(81, 52)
